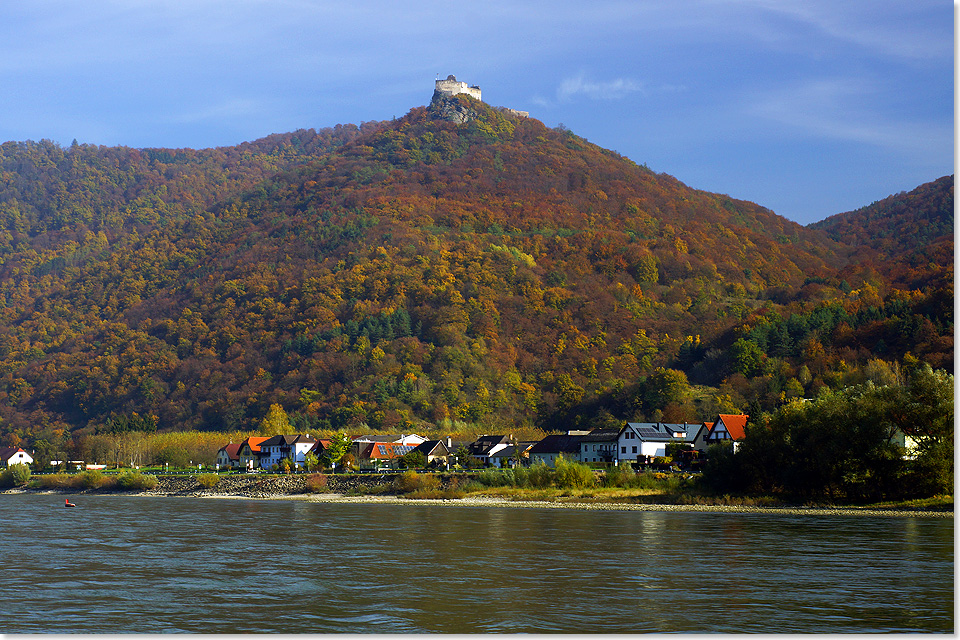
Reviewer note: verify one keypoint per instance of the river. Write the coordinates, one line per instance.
(120, 564)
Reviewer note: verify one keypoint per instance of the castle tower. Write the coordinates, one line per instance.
(451, 87)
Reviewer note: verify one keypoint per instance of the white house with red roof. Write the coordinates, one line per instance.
(249, 452)
(728, 428)
(14, 455)
(228, 457)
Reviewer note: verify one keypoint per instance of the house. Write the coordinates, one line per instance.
(437, 452)
(319, 449)
(411, 439)
(248, 455)
(14, 455)
(640, 441)
(600, 445)
(292, 447)
(361, 446)
(510, 455)
(381, 456)
(553, 446)
(487, 445)
(699, 440)
(727, 428)
(228, 457)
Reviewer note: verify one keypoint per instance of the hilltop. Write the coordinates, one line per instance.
(484, 274)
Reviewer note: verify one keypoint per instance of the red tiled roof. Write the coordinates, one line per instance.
(255, 443)
(232, 450)
(386, 450)
(734, 424)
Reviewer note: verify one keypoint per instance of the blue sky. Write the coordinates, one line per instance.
(808, 107)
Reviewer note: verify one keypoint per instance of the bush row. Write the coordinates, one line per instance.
(128, 480)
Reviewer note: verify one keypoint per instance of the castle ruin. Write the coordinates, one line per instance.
(451, 109)
(451, 87)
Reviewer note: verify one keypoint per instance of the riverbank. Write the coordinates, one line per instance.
(374, 489)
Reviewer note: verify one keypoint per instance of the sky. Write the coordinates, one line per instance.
(807, 107)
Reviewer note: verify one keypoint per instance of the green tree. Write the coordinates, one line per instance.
(664, 387)
(413, 460)
(340, 444)
(746, 357)
(923, 410)
(464, 459)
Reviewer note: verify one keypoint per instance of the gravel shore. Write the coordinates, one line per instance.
(344, 489)
(483, 501)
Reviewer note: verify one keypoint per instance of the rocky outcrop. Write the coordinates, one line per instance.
(451, 108)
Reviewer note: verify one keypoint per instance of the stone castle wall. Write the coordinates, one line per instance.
(451, 87)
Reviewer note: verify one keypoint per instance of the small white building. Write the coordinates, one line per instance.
(728, 428)
(638, 441)
(276, 448)
(14, 455)
(600, 446)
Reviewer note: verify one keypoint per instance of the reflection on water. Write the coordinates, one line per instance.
(129, 565)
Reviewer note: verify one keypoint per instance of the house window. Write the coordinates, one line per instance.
(634, 450)
(623, 449)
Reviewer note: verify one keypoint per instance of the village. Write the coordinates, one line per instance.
(635, 443)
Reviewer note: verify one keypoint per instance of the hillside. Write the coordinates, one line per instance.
(416, 274)
(898, 224)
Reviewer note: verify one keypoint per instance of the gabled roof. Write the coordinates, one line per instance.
(558, 443)
(254, 443)
(482, 445)
(601, 435)
(385, 450)
(651, 431)
(287, 440)
(321, 445)
(401, 438)
(432, 448)
(232, 450)
(511, 451)
(734, 423)
(8, 452)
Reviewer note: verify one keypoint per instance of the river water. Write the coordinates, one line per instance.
(156, 565)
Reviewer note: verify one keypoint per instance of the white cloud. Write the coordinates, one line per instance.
(609, 90)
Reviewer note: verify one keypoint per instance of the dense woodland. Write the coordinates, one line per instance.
(423, 275)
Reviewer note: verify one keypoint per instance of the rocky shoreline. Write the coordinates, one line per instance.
(344, 489)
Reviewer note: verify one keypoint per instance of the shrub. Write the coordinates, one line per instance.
(540, 476)
(20, 474)
(91, 479)
(56, 481)
(208, 480)
(621, 476)
(134, 480)
(572, 475)
(316, 482)
(411, 482)
(16, 475)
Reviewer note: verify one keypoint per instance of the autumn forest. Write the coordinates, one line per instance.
(424, 275)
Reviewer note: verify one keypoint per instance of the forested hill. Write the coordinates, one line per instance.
(417, 274)
(898, 224)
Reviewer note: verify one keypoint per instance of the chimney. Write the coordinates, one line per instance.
(449, 442)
